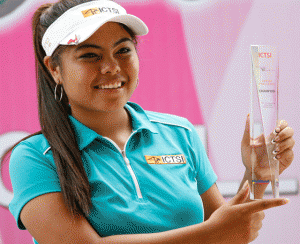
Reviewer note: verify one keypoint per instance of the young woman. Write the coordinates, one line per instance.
(103, 170)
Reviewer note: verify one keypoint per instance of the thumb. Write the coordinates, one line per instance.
(246, 137)
(241, 196)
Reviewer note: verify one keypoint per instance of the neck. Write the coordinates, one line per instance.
(107, 124)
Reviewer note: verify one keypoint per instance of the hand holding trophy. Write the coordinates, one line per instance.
(267, 144)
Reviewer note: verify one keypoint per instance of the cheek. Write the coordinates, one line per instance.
(133, 66)
(76, 81)
(137, 66)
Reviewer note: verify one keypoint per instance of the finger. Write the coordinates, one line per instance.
(281, 125)
(260, 205)
(286, 133)
(284, 145)
(246, 137)
(241, 196)
(285, 159)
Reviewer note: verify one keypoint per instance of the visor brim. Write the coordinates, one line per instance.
(86, 30)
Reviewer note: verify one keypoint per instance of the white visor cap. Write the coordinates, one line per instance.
(80, 22)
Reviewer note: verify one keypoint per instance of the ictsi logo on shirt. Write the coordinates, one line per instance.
(166, 159)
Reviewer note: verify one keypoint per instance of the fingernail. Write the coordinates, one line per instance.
(276, 138)
(274, 152)
(276, 131)
(286, 200)
(273, 142)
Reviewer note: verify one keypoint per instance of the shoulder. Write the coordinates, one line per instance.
(37, 143)
(31, 154)
(169, 120)
(159, 121)
(32, 172)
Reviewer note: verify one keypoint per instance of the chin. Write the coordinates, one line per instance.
(111, 107)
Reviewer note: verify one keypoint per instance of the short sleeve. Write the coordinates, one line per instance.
(205, 175)
(32, 175)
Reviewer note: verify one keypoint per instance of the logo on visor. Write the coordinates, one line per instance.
(94, 11)
(90, 12)
(48, 43)
(166, 159)
(73, 41)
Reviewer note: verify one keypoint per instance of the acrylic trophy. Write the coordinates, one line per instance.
(263, 120)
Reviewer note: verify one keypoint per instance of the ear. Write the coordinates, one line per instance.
(55, 71)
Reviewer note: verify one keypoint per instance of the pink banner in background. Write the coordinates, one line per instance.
(18, 105)
(166, 81)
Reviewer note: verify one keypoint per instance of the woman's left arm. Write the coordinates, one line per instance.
(212, 198)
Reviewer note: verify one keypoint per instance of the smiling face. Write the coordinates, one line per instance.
(101, 73)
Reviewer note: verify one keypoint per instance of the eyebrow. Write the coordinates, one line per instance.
(125, 39)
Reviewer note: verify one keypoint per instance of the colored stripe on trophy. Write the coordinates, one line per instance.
(260, 182)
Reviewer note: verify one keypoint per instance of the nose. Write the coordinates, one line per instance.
(110, 65)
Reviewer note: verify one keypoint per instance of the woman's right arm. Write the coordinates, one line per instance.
(49, 222)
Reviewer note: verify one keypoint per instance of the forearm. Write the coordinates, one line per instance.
(259, 189)
(199, 233)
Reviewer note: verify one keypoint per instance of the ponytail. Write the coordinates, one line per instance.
(56, 125)
(54, 118)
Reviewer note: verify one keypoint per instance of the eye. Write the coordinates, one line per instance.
(124, 50)
(90, 55)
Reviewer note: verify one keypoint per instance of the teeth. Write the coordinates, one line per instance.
(109, 86)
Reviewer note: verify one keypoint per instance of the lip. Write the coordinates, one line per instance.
(109, 83)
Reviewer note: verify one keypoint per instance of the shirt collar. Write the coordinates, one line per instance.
(86, 136)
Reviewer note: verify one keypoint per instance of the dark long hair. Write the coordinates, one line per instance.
(53, 115)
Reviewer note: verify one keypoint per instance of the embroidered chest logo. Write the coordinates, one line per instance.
(166, 159)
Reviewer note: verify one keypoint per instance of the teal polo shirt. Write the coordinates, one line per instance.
(151, 186)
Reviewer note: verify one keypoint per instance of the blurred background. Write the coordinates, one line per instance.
(195, 63)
